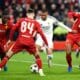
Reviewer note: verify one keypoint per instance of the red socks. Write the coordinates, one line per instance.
(69, 60)
(4, 61)
(38, 62)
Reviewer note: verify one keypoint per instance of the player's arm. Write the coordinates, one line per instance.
(67, 28)
(72, 16)
(39, 30)
(58, 23)
(64, 26)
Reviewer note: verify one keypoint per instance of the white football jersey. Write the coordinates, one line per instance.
(47, 25)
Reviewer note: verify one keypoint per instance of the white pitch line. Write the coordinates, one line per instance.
(56, 64)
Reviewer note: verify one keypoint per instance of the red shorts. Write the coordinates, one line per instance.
(73, 39)
(24, 44)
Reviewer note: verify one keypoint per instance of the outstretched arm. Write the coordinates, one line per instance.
(64, 26)
(61, 24)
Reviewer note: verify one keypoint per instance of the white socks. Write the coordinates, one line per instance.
(41, 72)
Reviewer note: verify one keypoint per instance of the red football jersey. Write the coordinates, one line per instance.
(3, 29)
(3, 36)
(76, 25)
(28, 28)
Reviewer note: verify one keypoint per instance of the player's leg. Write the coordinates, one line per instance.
(2, 56)
(78, 49)
(34, 51)
(39, 43)
(77, 55)
(39, 63)
(68, 54)
(49, 56)
(9, 54)
(37, 57)
(13, 49)
(49, 50)
(77, 52)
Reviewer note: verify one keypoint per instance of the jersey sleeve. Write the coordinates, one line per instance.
(39, 30)
(54, 20)
(73, 14)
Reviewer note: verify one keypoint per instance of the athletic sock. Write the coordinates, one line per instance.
(69, 60)
(38, 62)
(4, 61)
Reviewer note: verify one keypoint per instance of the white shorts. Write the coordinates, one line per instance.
(41, 43)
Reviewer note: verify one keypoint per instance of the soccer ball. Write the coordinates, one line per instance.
(34, 68)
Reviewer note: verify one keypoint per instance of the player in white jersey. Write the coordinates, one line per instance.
(47, 23)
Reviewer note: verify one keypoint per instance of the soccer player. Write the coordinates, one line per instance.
(73, 37)
(28, 28)
(3, 37)
(72, 21)
(47, 23)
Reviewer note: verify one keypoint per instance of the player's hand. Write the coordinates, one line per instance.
(77, 12)
(74, 32)
(9, 41)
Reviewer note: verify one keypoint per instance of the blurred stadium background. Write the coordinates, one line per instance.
(56, 8)
(18, 66)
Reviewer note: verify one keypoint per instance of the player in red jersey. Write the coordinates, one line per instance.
(28, 28)
(3, 37)
(72, 37)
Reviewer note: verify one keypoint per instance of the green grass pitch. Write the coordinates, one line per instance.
(19, 68)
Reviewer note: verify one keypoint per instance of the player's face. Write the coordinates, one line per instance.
(44, 15)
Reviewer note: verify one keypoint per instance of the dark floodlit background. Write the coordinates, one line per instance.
(56, 8)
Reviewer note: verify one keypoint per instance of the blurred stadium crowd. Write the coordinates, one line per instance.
(56, 8)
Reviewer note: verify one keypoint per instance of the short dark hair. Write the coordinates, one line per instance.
(30, 11)
(44, 10)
